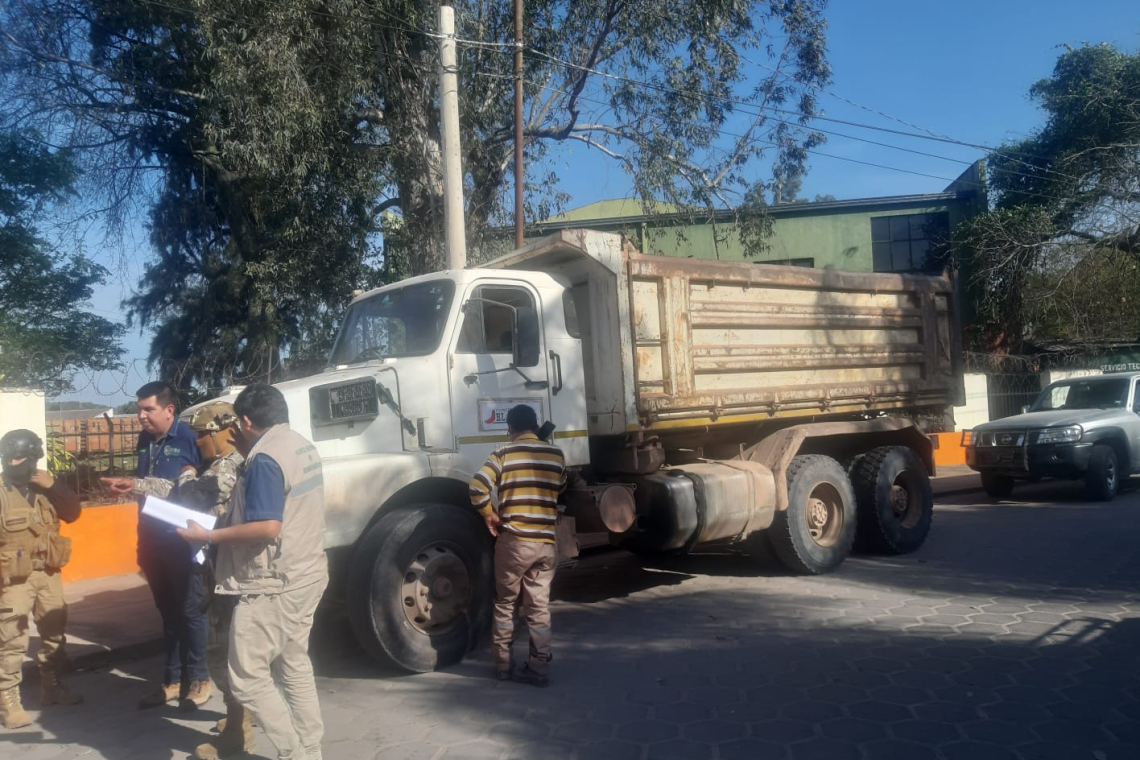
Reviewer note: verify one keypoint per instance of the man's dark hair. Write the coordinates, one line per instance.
(163, 392)
(522, 419)
(263, 404)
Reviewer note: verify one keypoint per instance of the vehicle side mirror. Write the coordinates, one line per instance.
(525, 346)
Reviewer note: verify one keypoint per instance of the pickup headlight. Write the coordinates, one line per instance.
(1070, 434)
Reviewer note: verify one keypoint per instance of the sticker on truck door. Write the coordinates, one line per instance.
(493, 412)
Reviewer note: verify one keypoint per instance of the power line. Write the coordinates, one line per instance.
(726, 133)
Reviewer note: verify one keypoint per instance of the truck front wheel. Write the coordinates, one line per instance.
(420, 586)
(814, 534)
(895, 503)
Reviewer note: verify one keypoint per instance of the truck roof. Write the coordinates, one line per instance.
(459, 277)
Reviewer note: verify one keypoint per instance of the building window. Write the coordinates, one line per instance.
(809, 263)
(905, 243)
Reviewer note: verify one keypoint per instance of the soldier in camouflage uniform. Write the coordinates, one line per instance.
(32, 553)
(215, 423)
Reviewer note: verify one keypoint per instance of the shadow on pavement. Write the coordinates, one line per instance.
(1014, 633)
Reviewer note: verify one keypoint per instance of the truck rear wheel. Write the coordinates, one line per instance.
(894, 502)
(420, 586)
(814, 534)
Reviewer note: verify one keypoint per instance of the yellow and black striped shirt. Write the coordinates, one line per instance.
(529, 475)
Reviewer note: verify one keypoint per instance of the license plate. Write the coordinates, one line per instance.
(1006, 458)
(354, 400)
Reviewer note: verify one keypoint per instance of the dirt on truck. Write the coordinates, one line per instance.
(701, 401)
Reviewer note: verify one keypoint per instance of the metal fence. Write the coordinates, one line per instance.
(1009, 393)
(82, 451)
(1013, 382)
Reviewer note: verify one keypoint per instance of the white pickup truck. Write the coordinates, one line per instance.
(702, 402)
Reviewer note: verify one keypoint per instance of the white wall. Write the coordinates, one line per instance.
(1053, 375)
(21, 408)
(977, 407)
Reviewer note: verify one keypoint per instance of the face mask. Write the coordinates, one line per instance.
(20, 474)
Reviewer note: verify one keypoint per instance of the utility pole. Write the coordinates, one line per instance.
(449, 128)
(519, 220)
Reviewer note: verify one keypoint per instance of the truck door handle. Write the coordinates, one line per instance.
(557, 372)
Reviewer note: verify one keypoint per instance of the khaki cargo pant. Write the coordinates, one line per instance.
(41, 597)
(269, 635)
(523, 572)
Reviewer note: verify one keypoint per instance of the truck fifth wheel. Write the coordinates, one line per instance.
(701, 401)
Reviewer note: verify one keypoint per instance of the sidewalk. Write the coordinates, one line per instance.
(955, 479)
(108, 618)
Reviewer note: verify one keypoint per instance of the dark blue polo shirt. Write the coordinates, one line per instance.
(164, 458)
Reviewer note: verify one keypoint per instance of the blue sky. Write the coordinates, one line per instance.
(960, 69)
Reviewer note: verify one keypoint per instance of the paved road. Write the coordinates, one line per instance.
(1015, 633)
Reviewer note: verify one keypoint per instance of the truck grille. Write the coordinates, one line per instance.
(999, 438)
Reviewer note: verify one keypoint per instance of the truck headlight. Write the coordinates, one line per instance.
(1070, 434)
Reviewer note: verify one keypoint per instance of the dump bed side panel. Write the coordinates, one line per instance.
(717, 341)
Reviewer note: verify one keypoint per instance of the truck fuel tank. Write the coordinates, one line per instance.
(680, 507)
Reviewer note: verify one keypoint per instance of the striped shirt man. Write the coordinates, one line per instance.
(529, 475)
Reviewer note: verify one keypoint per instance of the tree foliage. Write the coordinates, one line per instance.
(273, 142)
(45, 334)
(1055, 257)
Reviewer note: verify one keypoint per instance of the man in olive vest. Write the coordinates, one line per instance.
(271, 556)
(32, 552)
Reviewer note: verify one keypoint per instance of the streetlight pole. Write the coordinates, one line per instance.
(449, 127)
(519, 220)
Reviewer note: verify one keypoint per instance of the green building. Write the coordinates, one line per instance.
(892, 234)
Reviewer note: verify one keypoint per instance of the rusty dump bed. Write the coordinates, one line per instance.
(674, 342)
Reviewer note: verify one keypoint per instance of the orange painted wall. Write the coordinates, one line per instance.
(103, 542)
(948, 449)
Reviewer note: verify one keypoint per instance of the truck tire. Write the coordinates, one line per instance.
(420, 586)
(997, 486)
(814, 534)
(1102, 479)
(894, 503)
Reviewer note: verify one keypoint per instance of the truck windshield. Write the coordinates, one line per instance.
(406, 321)
(1084, 394)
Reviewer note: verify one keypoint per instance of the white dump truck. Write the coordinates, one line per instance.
(702, 401)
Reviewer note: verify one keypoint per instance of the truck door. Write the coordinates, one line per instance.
(501, 323)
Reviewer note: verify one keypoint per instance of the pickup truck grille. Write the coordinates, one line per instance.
(999, 438)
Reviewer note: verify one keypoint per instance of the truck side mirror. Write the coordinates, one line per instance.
(525, 346)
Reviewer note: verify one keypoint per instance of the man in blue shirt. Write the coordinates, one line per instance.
(167, 446)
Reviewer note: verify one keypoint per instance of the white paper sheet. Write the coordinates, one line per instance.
(173, 514)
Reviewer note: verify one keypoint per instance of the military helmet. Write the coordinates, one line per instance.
(215, 423)
(21, 444)
(213, 416)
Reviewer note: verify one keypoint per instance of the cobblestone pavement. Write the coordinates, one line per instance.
(1015, 633)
